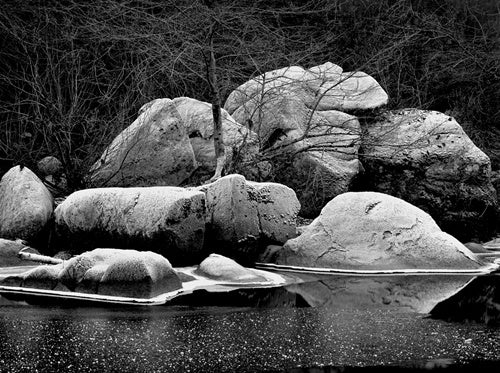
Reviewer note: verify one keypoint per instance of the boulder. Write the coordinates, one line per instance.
(425, 158)
(351, 91)
(220, 268)
(272, 84)
(323, 87)
(50, 165)
(314, 152)
(374, 231)
(240, 212)
(168, 220)
(322, 164)
(42, 277)
(476, 247)
(154, 150)
(8, 253)
(52, 171)
(124, 273)
(25, 205)
(171, 143)
(240, 144)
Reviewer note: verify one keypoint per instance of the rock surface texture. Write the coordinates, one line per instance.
(126, 273)
(297, 114)
(241, 212)
(425, 158)
(168, 220)
(25, 205)
(167, 144)
(374, 231)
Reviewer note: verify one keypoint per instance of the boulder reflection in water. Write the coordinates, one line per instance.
(479, 301)
(417, 293)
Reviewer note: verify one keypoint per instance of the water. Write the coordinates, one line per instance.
(354, 323)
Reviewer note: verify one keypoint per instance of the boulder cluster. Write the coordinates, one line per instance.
(304, 129)
(237, 216)
(322, 132)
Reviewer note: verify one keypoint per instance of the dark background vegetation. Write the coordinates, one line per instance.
(73, 74)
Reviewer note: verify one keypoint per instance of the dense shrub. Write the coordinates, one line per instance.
(74, 73)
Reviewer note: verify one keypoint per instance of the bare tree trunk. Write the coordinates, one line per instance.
(220, 155)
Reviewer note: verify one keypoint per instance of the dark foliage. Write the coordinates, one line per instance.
(74, 73)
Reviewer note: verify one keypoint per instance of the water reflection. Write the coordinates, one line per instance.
(408, 293)
(324, 324)
(479, 301)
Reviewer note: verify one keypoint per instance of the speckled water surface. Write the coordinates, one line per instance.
(223, 339)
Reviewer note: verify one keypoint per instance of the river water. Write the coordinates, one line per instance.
(314, 327)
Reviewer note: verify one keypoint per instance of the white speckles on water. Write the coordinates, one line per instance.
(222, 339)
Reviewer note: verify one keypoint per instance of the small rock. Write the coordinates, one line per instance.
(50, 166)
(218, 267)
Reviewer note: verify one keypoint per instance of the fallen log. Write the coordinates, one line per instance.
(37, 257)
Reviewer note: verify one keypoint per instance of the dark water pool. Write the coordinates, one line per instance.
(326, 325)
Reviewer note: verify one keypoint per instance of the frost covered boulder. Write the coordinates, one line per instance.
(125, 273)
(241, 212)
(25, 205)
(167, 144)
(426, 158)
(220, 268)
(167, 220)
(374, 231)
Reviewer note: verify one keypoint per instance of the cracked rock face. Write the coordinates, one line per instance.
(374, 231)
(425, 158)
(167, 220)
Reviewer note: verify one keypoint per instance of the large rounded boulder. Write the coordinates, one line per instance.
(170, 143)
(374, 231)
(167, 220)
(425, 158)
(25, 205)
